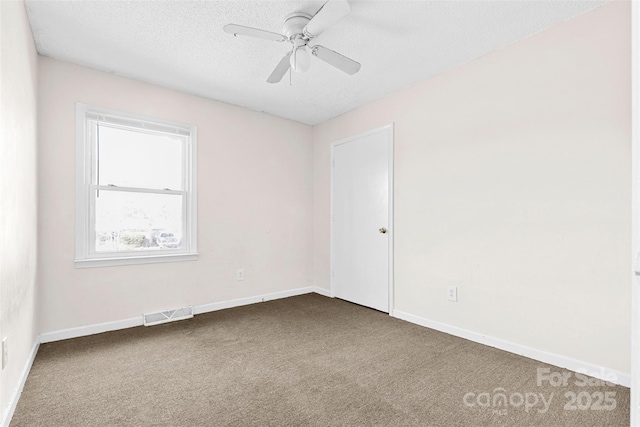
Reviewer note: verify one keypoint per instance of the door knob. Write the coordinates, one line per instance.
(383, 230)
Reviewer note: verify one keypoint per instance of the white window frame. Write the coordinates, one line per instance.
(85, 254)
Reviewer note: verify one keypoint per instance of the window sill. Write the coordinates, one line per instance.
(133, 260)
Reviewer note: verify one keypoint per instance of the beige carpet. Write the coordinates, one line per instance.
(301, 361)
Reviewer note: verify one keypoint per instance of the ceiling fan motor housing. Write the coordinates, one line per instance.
(294, 24)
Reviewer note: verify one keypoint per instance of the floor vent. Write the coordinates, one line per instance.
(151, 319)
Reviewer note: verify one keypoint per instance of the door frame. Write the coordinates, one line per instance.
(635, 212)
(390, 227)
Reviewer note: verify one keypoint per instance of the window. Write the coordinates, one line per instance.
(135, 189)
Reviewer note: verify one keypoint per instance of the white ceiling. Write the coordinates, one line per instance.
(181, 45)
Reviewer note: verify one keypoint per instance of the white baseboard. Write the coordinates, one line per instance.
(322, 291)
(13, 402)
(82, 331)
(205, 308)
(560, 361)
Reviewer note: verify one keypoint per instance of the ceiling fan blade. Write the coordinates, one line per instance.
(280, 70)
(341, 62)
(329, 14)
(253, 32)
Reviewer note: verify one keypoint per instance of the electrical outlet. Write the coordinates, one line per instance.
(240, 274)
(452, 293)
(5, 352)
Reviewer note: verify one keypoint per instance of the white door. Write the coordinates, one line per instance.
(361, 220)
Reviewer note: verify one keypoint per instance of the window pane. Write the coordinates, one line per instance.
(138, 221)
(127, 158)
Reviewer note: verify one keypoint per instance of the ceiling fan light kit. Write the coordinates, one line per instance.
(299, 29)
(300, 60)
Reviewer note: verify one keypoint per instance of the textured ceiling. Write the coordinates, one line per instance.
(181, 45)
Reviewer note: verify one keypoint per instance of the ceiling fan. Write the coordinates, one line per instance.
(299, 29)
